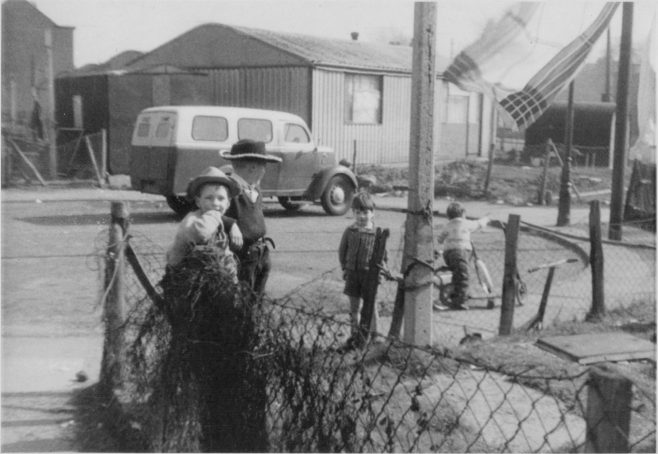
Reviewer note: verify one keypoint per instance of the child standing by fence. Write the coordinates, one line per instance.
(212, 191)
(457, 249)
(354, 253)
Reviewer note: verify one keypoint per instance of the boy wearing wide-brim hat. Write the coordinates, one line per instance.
(249, 160)
(212, 192)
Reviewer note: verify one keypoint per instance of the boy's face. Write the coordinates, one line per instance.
(252, 171)
(213, 197)
(363, 217)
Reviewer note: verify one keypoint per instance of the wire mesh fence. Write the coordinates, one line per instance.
(233, 372)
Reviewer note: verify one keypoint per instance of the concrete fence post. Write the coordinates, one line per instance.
(113, 304)
(608, 412)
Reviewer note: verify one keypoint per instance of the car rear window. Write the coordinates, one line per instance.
(144, 127)
(209, 128)
(255, 129)
(164, 126)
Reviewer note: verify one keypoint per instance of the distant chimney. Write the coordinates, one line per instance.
(355, 36)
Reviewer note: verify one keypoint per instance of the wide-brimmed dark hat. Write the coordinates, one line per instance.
(249, 149)
(212, 175)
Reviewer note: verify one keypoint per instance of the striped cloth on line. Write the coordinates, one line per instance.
(525, 59)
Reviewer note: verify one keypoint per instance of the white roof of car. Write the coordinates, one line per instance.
(223, 111)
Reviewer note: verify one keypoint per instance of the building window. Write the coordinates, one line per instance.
(363, 99)
(255, 129)
(457, 109)
(210, 128)
(297, 134)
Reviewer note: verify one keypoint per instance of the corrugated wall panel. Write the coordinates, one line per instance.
(388, 143)
(280, 88)
(381, 143)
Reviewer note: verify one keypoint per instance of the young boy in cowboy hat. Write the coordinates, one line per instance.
(212, 192)
(249, 160)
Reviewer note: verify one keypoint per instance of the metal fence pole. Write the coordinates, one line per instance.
(113, 308)
(608, 413)
(596, 261)
(509, 276)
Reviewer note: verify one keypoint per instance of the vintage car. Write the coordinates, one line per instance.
(172, 144)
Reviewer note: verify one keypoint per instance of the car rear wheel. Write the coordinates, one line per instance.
(180, 204)
(337, 196)
(291, 204)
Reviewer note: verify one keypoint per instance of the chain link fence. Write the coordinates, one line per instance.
(235, 373)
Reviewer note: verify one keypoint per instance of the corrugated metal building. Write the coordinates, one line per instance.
(352, 94)
(91, 100)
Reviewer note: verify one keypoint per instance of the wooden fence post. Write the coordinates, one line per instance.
(596, 261)
(509, 277)
(113, 307)
(377, 258)
(608, 413)
(489, 169)
(541, 196)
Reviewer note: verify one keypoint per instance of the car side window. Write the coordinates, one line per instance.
(296, 134)
(209, 128)
(255, 129)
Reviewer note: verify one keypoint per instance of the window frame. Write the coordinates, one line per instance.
(350, 79)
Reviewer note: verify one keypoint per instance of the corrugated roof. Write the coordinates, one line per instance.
(337, 53)
(348, 54)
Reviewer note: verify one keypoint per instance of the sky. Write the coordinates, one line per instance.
(104, 28)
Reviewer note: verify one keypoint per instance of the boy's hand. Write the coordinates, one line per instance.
(236, 236)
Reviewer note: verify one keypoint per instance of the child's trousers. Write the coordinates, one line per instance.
(457, 261)
(355, 312)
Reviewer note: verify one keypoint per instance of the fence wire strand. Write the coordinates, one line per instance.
(239, 373)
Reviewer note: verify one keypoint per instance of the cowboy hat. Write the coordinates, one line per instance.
(249, 149)
(212, 175)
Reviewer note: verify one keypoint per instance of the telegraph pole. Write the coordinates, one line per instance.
(621, 124)
(564, 207)
(418, 241)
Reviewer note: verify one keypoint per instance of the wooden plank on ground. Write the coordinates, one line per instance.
(599, 347)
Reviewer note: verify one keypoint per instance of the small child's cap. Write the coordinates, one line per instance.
(212, 175)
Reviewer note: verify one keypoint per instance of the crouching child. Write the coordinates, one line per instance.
(204, 230)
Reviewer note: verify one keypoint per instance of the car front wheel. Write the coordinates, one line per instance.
(337, 196)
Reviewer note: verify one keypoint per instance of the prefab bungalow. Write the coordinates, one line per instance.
(354, 95)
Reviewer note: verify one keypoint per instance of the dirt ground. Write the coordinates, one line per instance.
(50, 290)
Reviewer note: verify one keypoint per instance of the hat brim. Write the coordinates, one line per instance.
(232, 185)
(226, 154)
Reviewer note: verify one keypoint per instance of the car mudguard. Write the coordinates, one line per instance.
(321, 180)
